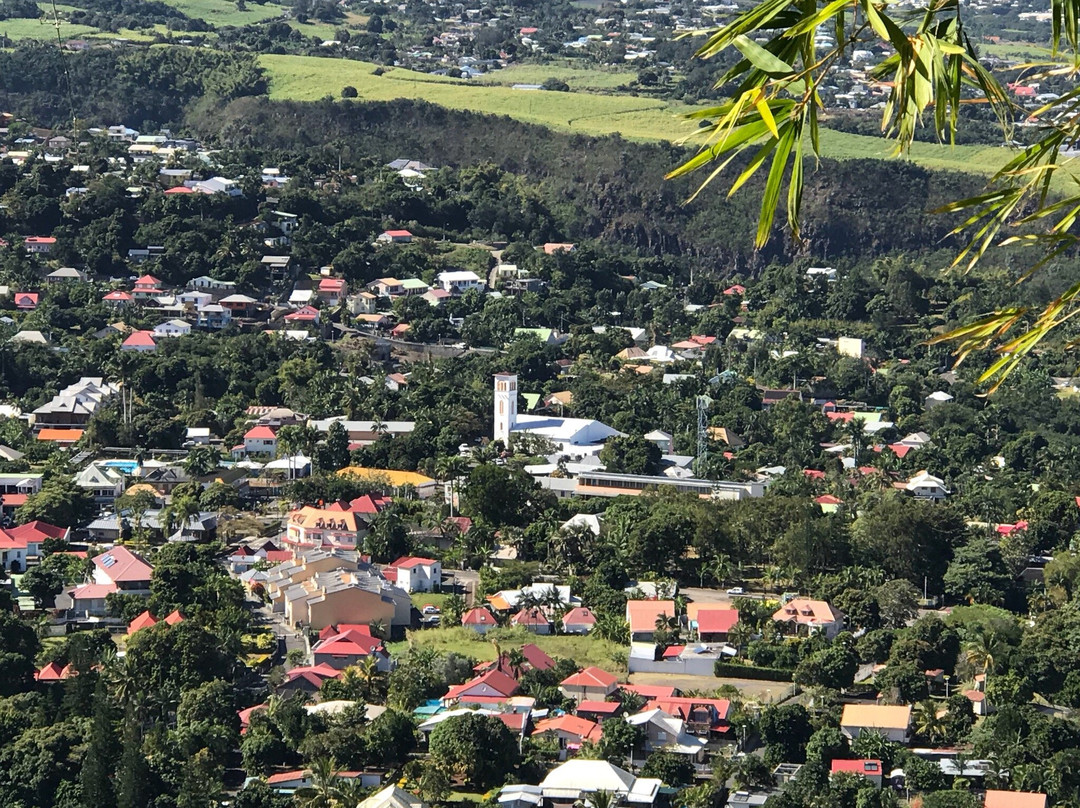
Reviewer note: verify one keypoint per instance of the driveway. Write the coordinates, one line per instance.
(289, 637)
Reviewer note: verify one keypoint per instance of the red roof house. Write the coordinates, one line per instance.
(26, 301)
(590, 684)
(479, 620)
(350, 648)
(700, 714)
(488, 688)
(123, 568)
(142, 341)
(870, 769)
(118, 298)
(713, 625)
(304, 314)
(53, 672)
(579, 620)
(570, 730)
(1014, 799)
(144, 620)
(532, 619)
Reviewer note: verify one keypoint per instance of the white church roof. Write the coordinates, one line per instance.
(575, 431)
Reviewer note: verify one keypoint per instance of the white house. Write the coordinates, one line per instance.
(892, 721)
(926, 486)
(260, 440)
(172, 328)
(214, 315)
(104, 482)
(414, 574)
(197, 436)
(195, 298)
(459, 281)
(936, 398)
(662, 439)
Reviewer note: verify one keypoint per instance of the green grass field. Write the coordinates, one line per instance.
(579, 78)
(1027, 51)
(41, 28)
(224, 12)
(583, 650)
(307, 78)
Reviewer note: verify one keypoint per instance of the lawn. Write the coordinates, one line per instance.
(306, 78)
(42, 28)
(579, 78)
(1025, 51)
(422, 599)
(224, 12)
(584, 651)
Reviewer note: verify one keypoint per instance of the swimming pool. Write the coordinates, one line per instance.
(126, 466)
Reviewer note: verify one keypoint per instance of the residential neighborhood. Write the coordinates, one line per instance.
(362, 450)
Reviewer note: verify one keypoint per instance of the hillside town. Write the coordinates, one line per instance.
(394, 457)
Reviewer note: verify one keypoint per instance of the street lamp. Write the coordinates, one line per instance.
(947, 678)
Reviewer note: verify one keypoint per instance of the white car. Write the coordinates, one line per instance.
(429, 609)
(736, 590)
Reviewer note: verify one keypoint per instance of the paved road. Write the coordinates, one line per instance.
(699, 595)
(293, 639)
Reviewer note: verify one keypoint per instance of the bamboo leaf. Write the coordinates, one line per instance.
(762, 59)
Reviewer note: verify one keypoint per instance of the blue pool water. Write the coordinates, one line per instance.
(126, 466)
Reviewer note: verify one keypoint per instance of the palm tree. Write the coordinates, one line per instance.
(740, 634)
(602, 799)
(516, 660)
(982, 648)
(720, 568)
(323, 791)
(927, 722)
(177, 514)
(125, 680)
(449, 468)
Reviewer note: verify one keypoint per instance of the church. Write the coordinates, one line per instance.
(576, 437)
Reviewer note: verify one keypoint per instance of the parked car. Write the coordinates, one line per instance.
(736, 590)
(431, 609)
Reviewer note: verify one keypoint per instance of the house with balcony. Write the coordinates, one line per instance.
(72, 407)
(104, 483)
(663, 732)
(346, 596)
(321, 527)
(260, 440)
(805, 616)
(172, 328)
(701, 716)
(332, 291)
(460, 281)
(213, 316)
(926, 486)
(590, 684)
(239, 305)
(386, 287)
(415, 574)
(39, 245)
(146, 287)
